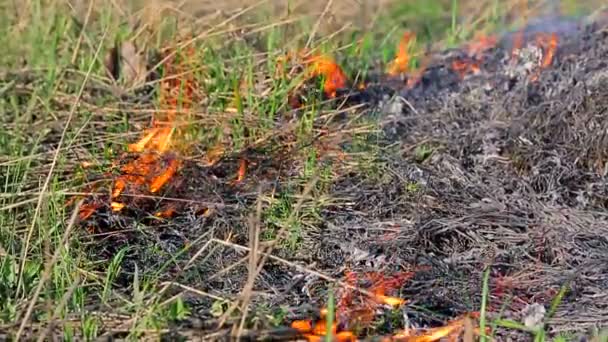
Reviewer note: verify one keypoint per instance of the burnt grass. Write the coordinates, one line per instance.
(494, 170)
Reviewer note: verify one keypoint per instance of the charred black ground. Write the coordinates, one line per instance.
(497, 170)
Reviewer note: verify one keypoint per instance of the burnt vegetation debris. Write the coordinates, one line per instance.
(503, 167)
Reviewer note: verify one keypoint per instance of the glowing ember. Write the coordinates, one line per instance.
(167, 212)
(464, 67)
(88, 209)
(163, 178)
(117, 206)
(242, 170)
(401, 62)
(392, 301)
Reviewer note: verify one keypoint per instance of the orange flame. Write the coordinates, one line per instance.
(164, 177)
(549, 45)
(156, 139)
(167, 212)
(354, 310)
(314, 332)
(401, 62)
(117, 206)
(464, 67)
(452, 330)
(320, 65)
(87, 209)
(151, 168)
(242, 171)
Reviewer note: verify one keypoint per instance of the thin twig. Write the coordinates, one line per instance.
(254, 243)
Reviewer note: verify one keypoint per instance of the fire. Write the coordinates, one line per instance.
(465, 66)
(352, 308)
(472, 63)
(452, 331)
(316, 331)
(317, 65)
(335, 78)
(549, 45)
(242, 171)
(88, 209)
(164, 177)
(156, 159)
(156, 139)
(355, 309)
(117, 206)
(401, 63)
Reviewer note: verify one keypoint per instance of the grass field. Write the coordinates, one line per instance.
(66, 122)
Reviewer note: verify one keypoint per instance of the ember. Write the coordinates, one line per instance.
(464, 67)
(452, 330)
(355, 310)
(242, 170)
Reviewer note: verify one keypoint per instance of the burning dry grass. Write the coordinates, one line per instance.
(483, 194)
(492, 158)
